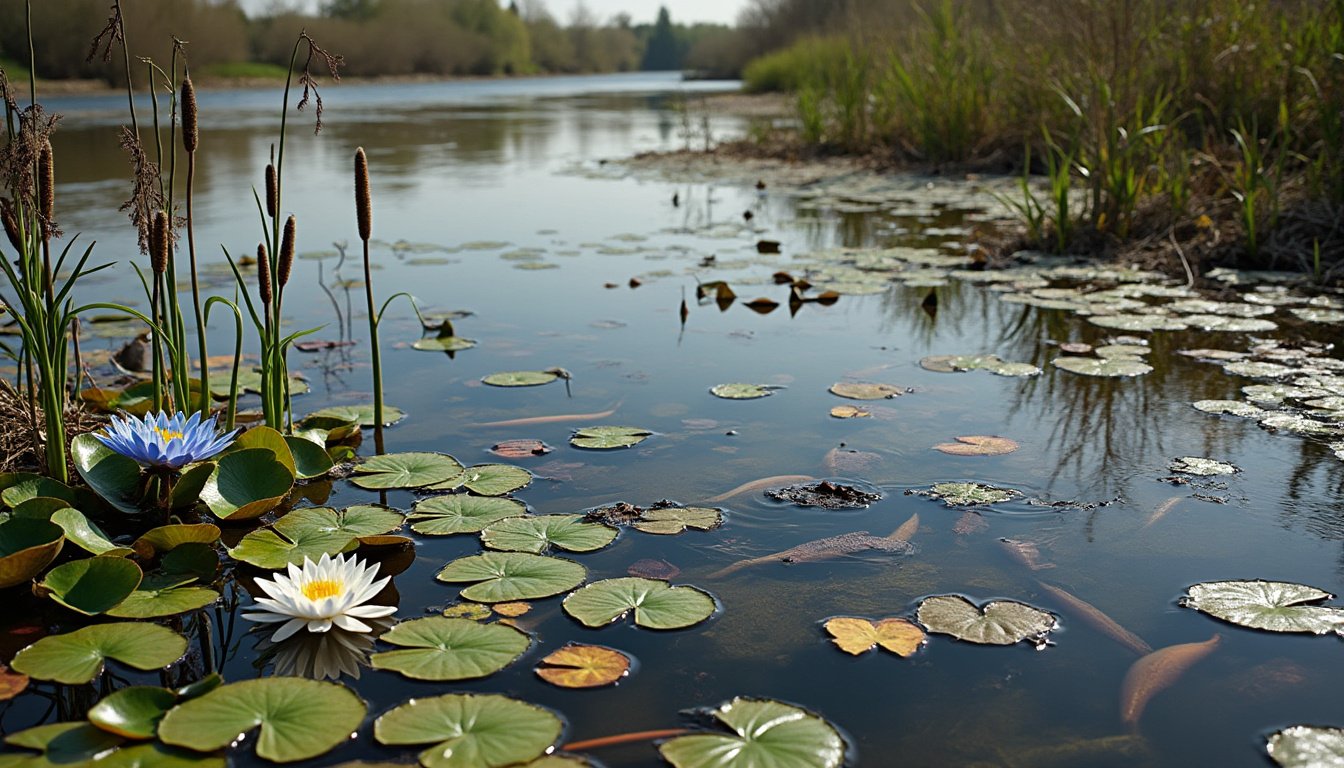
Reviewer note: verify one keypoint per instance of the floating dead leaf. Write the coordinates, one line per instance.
(856, 636)
(978, 445)
(850, 412)
(767, 246)
(864, 391)
(512, 610)
(11, 683)
(583, 666)
(782, 278)
(1075, 348)
(520, 449)
(649, 568)
(314, 346)
(762, 305)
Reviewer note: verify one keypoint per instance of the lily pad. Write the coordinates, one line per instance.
(520, 378)
(92, 585)
(607, 438)
(72, 743)
(1141, 323)
(850, 412)
(540, 533)
(443, 344)
(487, 480)
(166, 538)
(657, 604)
(359, 414)
(77, 657)
(440, 648)
(1275, 606)
(1001, 622)
(247, 484)
(765, 733)
(1197, 465)
(84, 534)
(114, 477)
(968, 494)
(742, 391)
(1307, 746)
(857, 636)
(461, 513)
(1111, 367)
(470, 730)
(134, 712)
(356, 521)
(577, 665)
(1301, 425)
(299, 718)
(405, 470)
(1230, 407)
(26, 547)
(163, 595)
(311, 460)
(272, 550)
(1315, 315)
(862, 391)
(978, 445)
(673, 520)
(508, 576)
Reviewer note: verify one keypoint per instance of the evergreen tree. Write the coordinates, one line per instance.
(663, 51)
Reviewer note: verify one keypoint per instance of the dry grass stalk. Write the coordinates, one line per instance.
(20, 446)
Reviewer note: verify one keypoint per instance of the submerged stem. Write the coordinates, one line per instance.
(623, 738)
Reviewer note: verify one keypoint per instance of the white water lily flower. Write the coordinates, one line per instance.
(319, 596)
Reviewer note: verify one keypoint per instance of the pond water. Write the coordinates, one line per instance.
(510, 200)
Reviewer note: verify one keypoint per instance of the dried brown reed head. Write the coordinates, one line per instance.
(264, 274)
(191, 134)
(333, 63)
(19, 157)
(160, 242)
(11, 223)
(272, 191)
(286, 260)
(146, 193)
(7, 93)
(363, 202)
(46, 169)
(111, 34)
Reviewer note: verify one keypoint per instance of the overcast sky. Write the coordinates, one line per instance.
(641, 11)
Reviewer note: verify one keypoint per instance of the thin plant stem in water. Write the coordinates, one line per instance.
(364, 216)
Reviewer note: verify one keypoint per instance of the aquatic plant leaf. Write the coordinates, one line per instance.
(270, 439)
(657, 605)
(1257, 369)
(968, 494)
(1230, 407)
(299, 718)
(1122, 350)
(358, 414)
(11, 683)
(978, 445)
(673, 520)
(78, 657)
(405, 470)
(1315, 315)
(114, 477)
(92, 585)
(1198, 465)
(71, 743)
(520, 449)
(606, 438)
(472, 611)
(577, 665)
(246, 484)
(84, 534)
(1141, 323)
(487, 480)
(539, 533)
(857, 636)
(1231, 324)
(765, 734)
(1307, 746)
(1300, 425)
(863, 391)
(134, 712)
(1109, 367)
(512, 610)
(957, 363)
(163, 596)
(311, 460)
(461, 513)
(166, 538)
(1274, 606)
(266, 548)
(440, 648)
(443, 344)
(508, 576)
(519, 378)
(359, 520)
(850, 412)
(471, 730)
(26, 547)
(1001, 622)
(1015, 370)
(742, 391)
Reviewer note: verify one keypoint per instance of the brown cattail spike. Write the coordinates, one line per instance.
(286, 261)
(272, 191)
(264, 274)
(11, 223)
(191, 134)
(159, 243)
(47, 167)
(363, 205)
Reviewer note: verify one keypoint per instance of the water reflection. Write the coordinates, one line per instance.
(328, 655)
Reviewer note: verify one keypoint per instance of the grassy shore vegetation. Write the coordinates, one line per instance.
(1184, 130)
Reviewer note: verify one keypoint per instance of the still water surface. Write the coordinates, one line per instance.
(479, 179)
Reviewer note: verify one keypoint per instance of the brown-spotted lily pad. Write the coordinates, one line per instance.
(978, 445)
(577, 665)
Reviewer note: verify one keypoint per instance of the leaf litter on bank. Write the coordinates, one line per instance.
(857, 636)
(825, 494)
(1204, 467)
(1230, 408)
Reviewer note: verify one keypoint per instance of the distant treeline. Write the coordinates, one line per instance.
(376, 37)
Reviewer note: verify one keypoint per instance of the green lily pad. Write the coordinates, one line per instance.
(520, 378)
(133, 713)
(114, 477)
(765, 734)
(1001, 622)
(1307, 746)
(166, 538)
(299, 719)
(1111, 367)
(606, 438)
(26, 547)
(863, 391)
(992, 363)
(310, 458)
(1197, 465)
(508, 576)
(39, 507)
(356, 521)
(673, 520)
(199, 561)
(186, 491)
(968, 494)
(405, 470)
(268, 549)
(487, 480)
(358, 414)
(164, 595)
(247, 484)
(470, 730)
(78, 657)
(1274, 606)
(92, 585)
(461, 513)
(27, 486)
(443, 344)
(742, 391)
(1258, 369)
(657, 605)
(84, 534)
(537, 534)
(440, 648)
(271, 440)
(71, 743)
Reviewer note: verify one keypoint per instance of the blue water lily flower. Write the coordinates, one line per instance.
(163, 441)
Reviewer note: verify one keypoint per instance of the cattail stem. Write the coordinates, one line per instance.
(623, 738)
(364, 217)
(190, 141)
(46, 179)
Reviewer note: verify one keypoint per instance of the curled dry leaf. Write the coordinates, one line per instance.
(11, 683)
(978, 445)
(856, 636)
(583, 666)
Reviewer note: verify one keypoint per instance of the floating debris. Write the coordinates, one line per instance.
(825, 494)
(1196, 465)
(967, 494)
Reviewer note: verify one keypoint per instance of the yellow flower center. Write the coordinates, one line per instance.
(316, 590)
(167, 434)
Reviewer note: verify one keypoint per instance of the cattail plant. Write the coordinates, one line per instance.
(364, 218)
(158, 263)
(191, 138)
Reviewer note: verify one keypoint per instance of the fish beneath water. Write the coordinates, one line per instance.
(832, 547)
